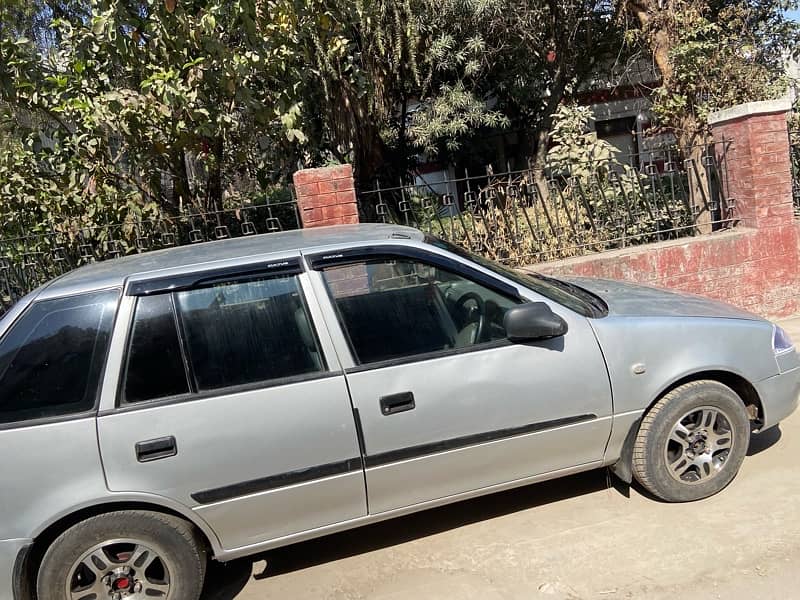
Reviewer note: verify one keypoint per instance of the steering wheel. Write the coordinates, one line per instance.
(460, 306)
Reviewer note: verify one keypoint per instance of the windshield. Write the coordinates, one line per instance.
(567, 294)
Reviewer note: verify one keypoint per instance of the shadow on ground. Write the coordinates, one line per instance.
(763, 441)
(225, 582)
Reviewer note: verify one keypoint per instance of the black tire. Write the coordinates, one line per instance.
(173, 540)
(657, 448)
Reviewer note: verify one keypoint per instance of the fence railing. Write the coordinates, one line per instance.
(31, 253)
(516, 217)
(794, 152)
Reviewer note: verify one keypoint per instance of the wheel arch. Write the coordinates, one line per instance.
(739, 384)
(28, 565)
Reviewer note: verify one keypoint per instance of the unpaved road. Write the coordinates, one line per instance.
(582, 537)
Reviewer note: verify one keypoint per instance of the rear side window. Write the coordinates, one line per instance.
(52, 358)
(155, 366)
(240, 333)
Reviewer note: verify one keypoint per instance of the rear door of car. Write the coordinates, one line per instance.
(229, 399)
(444, 410)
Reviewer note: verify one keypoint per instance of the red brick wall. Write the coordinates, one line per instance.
(326, 196)
(755, 265)
(753, 269)
(759, 169)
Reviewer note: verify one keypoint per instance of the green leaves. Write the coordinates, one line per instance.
(716, 55)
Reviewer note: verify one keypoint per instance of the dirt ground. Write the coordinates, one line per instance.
(581, 537)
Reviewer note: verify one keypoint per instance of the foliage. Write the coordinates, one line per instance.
(574, 144)
(116, 110)
(146, 106)
(712, 55)
(590, 202)
(517, 57)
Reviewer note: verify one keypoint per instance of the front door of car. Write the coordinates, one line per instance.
(446, 403)
(231, 402)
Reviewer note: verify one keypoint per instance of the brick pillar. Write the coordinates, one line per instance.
(758, 161)
(760, 176)
(326, 196)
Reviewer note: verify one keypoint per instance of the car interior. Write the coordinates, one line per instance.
(411, 308)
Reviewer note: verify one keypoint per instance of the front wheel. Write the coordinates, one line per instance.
(124, 555)
(692, 442)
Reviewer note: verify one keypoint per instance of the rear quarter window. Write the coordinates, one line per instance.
(52, 358)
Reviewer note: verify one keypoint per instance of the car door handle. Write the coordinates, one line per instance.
(155, 449)
(395, 403)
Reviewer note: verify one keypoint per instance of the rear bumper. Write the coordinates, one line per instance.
(779, 395)
(12, 557)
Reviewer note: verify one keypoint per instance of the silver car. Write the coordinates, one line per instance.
(219, 400)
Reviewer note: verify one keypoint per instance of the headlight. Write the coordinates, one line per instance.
(781, 342)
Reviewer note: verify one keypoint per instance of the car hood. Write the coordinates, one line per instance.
(630, 299)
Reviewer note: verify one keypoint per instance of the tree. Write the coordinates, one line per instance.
(169, 104)
(711, 54)
(395, 78)
(150, 86)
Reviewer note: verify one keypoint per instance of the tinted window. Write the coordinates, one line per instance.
(400, 308)
(245, 332)
(51, 360)
(155, 364)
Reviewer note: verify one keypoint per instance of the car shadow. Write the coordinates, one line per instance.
(226, 581)
(763, 441)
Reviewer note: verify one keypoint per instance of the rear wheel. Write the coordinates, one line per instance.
(692, 442)
(125, 555)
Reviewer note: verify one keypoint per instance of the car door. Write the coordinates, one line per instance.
(230, 401)
(446, 404)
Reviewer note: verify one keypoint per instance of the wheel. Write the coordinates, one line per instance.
(125, 555)
(692, 442)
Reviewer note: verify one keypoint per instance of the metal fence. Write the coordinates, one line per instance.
(794, 151)
(515, 217)
(32, 252)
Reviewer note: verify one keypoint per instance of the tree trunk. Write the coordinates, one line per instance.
(699, 187)
(645, 11)
(543, 135)
(215, 176)
(181, 192)
(689, 131)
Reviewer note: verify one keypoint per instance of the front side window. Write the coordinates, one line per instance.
(567, 294)
(400, 308)
(239, 333)
(52, 358)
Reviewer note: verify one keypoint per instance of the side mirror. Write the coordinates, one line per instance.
(533, 321)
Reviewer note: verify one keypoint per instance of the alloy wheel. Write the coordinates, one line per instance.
(699, 444)
(124, 569)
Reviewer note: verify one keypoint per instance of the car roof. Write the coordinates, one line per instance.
(113, 273)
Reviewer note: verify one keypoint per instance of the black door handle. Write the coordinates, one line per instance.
(395, 403)
(155, 449)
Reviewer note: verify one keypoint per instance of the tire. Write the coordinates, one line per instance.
(692, 442)
(139, 554)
